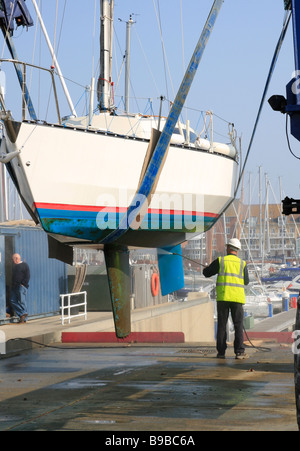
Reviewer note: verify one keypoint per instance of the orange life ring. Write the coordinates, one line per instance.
(155, 284)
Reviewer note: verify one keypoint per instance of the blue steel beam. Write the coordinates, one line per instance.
(165, 138)
(296, 32)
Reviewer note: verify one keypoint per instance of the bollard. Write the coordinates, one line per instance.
(270, 310)
(285, 304)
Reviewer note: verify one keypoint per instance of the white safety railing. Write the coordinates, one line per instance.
(69, 306)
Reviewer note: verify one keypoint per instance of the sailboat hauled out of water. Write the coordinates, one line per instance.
(91, 183)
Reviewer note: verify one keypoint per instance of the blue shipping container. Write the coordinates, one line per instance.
(48, 276)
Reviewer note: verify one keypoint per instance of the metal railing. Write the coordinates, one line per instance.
(70, 306)
(21, 70)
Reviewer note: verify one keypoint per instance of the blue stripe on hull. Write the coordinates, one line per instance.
(94, 226)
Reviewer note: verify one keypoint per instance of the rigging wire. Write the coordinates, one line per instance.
(147, 61)
(33, 53)
(61, 27)
(271, 71)
(122, 53)
(182, 38)
(8, 27)
(165, 61)
(286, 22)
(182, 44)
(57, 49)
(162, 42)
(94, 38)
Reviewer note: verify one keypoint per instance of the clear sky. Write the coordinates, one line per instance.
(230, 79)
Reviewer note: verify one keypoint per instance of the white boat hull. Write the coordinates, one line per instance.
(79, 184)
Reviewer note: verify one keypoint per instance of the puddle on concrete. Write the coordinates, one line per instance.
(7, 418)
(120, 372)
(76, 384)
(100, 421)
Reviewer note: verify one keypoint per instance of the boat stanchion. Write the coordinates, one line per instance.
(118, 272)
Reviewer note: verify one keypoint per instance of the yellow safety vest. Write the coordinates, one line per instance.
(230, 281)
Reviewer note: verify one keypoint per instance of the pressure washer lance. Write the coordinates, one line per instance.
(163, 251)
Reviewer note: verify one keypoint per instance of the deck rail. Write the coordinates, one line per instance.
(66, 304)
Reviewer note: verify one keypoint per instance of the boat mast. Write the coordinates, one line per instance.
(106, 41)
(127, 66)
(283, 228)
(260, 211)
(267, 226)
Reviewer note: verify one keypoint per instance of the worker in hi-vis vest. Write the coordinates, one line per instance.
(232, 277)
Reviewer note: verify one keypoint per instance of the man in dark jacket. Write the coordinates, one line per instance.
(20, 285)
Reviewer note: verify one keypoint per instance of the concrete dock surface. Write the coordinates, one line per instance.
(134, 388)
(47, 330)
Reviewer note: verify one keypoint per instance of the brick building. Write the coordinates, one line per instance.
(263, 231)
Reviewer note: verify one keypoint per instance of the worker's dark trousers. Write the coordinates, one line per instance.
(237, 315)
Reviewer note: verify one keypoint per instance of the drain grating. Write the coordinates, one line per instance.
(201, 350)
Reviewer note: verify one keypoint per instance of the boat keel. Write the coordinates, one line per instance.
(118, 272)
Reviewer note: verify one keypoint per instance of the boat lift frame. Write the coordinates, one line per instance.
(290, 105)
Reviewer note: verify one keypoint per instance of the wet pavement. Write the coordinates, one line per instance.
(147, 388)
